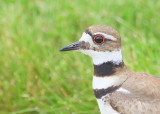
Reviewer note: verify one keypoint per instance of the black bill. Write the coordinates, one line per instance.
(74, 46)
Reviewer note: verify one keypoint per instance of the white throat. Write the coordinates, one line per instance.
(100, 57)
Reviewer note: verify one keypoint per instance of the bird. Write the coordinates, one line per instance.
(117, 89)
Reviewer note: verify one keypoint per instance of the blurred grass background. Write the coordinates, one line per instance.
(36, 78)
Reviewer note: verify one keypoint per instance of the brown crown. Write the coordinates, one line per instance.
(103, 29)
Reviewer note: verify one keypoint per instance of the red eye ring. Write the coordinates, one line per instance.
(98, 42)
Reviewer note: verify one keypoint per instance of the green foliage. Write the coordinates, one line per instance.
(36, 78)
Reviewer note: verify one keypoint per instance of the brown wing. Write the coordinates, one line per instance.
(134, 104)
(144, 97)
(145, 84)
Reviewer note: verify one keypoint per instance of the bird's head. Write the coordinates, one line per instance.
(98, 42)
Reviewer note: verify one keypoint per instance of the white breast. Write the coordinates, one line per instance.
(103, 83)
(105, 108)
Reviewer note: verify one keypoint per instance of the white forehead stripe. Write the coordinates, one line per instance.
(110, 37)
(87, 38)
(100, 57)
(103, 82)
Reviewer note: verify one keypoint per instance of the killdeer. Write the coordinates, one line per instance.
(118, 90)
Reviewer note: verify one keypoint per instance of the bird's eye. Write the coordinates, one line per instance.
(98, 39)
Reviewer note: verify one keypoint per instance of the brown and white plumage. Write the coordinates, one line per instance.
(117, 89)
(144, 95)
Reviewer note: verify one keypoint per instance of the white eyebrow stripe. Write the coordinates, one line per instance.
(106, 36)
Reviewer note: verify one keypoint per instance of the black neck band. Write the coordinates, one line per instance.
(99, 93)
(106, 69)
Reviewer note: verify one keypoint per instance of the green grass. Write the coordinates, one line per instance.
(36, 78)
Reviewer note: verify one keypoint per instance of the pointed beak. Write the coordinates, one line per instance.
(74, 46)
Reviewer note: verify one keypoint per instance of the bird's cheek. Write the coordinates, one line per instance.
(85, 45)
